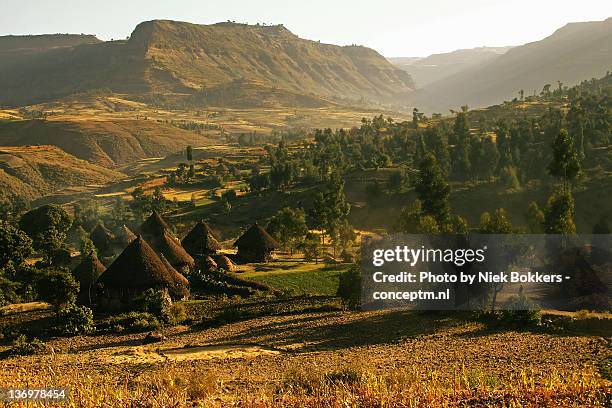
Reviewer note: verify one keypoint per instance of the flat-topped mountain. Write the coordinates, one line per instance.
(193, 61)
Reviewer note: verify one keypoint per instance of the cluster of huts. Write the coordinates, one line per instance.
(157, 259)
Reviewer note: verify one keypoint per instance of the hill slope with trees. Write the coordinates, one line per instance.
(568, 56)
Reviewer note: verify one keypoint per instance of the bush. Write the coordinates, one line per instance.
(175, 314)
(23, 347)
(520, 311)
(57, 287)
(152, 301)
(132, 322)
(349, 288)
(73, 320)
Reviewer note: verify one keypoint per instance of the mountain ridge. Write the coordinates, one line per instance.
(169, 57)
(571, 54)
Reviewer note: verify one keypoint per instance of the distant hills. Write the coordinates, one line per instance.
(30, 172)
(178, 62)
(435, 67)
(575, 52)
(102, 142)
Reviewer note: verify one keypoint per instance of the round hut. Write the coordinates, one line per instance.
(102, 238)
(87, 273)
(135, 270)
(171, 249)
(223, 262)
(124, 237)
(200, 242)
(255, 245)
(209, 264)
(157, 232)
(153, 226)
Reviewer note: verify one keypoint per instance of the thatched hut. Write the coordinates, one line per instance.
(155, 230)
(223, 262)
(209, 264)
(137, 269)
(153, 226)
(102, 238)
(255, 245)
(200, 242)
(171, 248)
(87, 273)
(124, 237)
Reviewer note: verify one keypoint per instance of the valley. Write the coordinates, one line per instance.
(182, 215)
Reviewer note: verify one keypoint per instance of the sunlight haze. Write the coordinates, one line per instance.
(395, 28)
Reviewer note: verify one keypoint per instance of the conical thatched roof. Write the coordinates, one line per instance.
(168, 246)
(101, 236)
(138, 267)
(179, 289)
(88, 271)
(154, 225)
(125, 236)
(256, 238)
(223, 262)
(200, 241)
(209, 264)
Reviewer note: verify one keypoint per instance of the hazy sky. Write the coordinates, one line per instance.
(392, 27)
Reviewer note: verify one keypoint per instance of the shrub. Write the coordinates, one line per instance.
(152, 301)
(175, 314)
(132, 322)
(349, 288)
(520, 311)
(73, 320)
(23, 347)
(57, 287)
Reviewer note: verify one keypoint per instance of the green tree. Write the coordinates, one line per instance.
(433, 190)
(189, 152)
(564, 164)
(15, 245)
(47, 226)
(310, 247)
(559, 213)
(288, 226)
(498, 223)
(58, 287)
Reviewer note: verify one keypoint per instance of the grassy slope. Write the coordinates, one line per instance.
(105, 142)
(33, 171)
(298, 278)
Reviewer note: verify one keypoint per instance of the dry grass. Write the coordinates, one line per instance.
(176, 386)
(332, 359)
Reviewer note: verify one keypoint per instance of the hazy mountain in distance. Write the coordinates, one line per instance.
(18, 49)
(169, 58)
(438, 66)
(573, 53)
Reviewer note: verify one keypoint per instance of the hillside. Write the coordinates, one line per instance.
(103, 142)
(19, 49)
(571, 54)
(169, 57)
(30, 172)
(435, 67)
